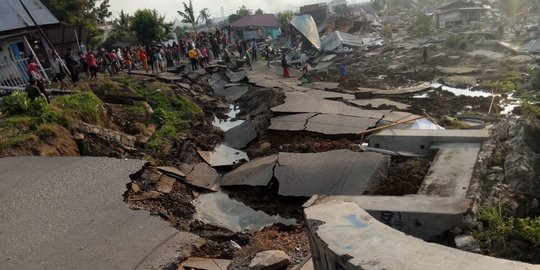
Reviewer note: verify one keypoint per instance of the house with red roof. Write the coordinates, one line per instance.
(258, 26)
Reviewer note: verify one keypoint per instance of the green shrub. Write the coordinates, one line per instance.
(454, 41)
(423, 25)
(16, 103)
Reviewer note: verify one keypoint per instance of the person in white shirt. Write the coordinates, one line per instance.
(57, 66)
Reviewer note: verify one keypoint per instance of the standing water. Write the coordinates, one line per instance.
(231, 120)
(220, 210)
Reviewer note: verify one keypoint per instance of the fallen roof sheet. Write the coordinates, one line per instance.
(223, 155)
(257, 172)
(14, 17)
(337, 39)
(204, 176)
(307, 27)
(338, 172)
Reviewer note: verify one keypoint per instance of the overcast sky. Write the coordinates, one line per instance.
(169, 8)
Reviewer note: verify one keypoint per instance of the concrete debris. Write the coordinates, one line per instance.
(204, 176)
(338, 172)
(270, 260)
(257, 172)
(165, 184)
(241, 135)
(231, 93)
(204, 264)
(467, 242)
(378, 102)
(223, 155)
(171, 171)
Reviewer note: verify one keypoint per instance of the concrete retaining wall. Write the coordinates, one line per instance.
(419, 141)
(420, 216)
(344, 236)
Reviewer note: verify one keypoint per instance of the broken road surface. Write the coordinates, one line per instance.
(68, 213)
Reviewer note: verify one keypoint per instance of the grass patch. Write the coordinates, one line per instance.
(454, 124)
(172, 111)
(17, 139)
(502, 229)
(499, 86)
(83, 105)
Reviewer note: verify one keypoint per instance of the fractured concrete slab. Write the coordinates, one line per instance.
(338, 172)
(332, 124)
(296, 102)
(294, 122)
(231, 93)
(329, 94)
(204, 176)
(223, 155)
(257, 172)
(240, 136)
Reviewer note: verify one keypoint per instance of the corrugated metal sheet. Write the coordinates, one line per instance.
(336, 39)
(307, 26)
(14, 17)
(532, 46)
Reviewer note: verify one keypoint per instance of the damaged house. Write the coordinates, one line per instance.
(258, 26)
(458, 13)
(20, 38)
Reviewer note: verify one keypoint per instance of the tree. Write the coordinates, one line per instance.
(259, 11)
(205, 15)
(188, 16)
(242, 12)
(150, 27)
(423, 25)
(284, 19)
(121, 29)
(377, 5)
(81, 13)
(181, 31)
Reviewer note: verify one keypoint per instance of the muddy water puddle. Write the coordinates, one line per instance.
(220, 210)
(231, 121)
(224, 155)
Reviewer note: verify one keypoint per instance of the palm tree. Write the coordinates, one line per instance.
(188, 16)
(205, 15)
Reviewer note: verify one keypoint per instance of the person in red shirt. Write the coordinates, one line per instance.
(92, 64)
(144, 59)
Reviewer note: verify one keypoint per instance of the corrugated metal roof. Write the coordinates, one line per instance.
(336, 39)
(307, 26)
(256, 20)
(14, 17)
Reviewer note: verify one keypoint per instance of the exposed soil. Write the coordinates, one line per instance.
(405, 175)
